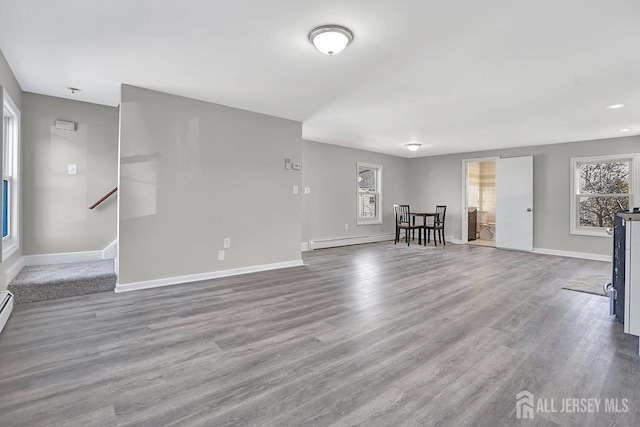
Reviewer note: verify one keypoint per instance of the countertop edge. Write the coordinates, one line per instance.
(629, 216)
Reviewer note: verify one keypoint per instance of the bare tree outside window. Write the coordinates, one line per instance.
(367, 183)
(369, 188)
(604, 190)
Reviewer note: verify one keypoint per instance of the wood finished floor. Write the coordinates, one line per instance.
(375, 335)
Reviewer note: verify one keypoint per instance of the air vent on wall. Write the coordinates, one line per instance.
(65, 125)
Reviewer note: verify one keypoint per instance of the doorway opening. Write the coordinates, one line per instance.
(481, 202)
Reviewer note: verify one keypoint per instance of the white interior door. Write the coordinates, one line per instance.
(514, 203)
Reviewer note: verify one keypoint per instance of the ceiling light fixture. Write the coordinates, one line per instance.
(330, 39)
(413, 146)
(614, 106)
(624, 130)
(74, 89)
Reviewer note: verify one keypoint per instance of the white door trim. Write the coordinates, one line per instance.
(465, 197)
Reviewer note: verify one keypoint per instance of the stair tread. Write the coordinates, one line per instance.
(43, 282)
(37, 274)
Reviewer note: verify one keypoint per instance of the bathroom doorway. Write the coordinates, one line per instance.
(479, 218)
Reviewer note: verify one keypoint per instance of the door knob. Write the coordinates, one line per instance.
(528, 209)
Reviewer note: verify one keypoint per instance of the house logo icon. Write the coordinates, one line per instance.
(524, 405)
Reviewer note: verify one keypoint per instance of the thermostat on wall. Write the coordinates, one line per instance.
(65, 125)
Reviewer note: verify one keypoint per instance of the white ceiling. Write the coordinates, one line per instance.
(456, 75)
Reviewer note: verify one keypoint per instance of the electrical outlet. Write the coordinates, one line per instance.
(295, 189)
(227, 242)
(73, 169)
(296, 166)
(220, 255)
(307, 190)
(346, 226)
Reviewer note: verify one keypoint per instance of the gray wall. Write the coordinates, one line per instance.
(330, 172)
(193, 173)
(56, 217)
(438, 180)
(8, 81)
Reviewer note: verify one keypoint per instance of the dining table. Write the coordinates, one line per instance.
(424, 215)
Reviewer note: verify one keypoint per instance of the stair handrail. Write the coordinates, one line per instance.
(103, 198)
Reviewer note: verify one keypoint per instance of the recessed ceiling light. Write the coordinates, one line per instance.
(624, 130)
(413, 146)
(330, 39)
(614, 106)
(74, 89)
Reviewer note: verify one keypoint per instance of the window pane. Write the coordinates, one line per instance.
(367, 180)
(604, 178)
(367, 205)
(5, 208)
(600, 211)
(8, 146)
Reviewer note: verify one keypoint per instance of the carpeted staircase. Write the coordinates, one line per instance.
(43, 282)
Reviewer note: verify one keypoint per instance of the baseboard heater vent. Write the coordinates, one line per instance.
(6, 305)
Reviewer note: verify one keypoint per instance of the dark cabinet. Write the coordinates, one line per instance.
(473, 223)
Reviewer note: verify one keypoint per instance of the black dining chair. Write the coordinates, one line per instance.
(437, 226)
(403, 222)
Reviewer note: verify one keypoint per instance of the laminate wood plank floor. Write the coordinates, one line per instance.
(372, 335)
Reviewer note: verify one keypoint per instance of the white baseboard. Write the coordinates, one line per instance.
(62, 258)
(346, 241)
(65, 257)
(127, 287)
(582, 255)
(13, 271)
(111, 251)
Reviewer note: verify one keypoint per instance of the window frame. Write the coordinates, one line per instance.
(11, 243)
(378, 193)
(634, 187)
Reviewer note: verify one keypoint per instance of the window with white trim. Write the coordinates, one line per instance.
(601, 187)
(369, 193)
(10, 184)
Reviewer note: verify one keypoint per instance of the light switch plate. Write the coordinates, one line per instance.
(295, 189)
(73, 169)
(227, 242)
(220, 255)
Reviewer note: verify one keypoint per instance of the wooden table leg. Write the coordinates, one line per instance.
(413, 230)
(424, 228)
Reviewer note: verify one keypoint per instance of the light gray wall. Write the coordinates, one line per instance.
(56, 217)
(330, 172)
(193, 173)
(438, 180)
(9, 83)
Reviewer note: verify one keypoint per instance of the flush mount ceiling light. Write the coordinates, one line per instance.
(330, 39)
(614, 106)
(413, 146)
(624, 130)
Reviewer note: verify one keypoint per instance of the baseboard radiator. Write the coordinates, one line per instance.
(6, 305)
